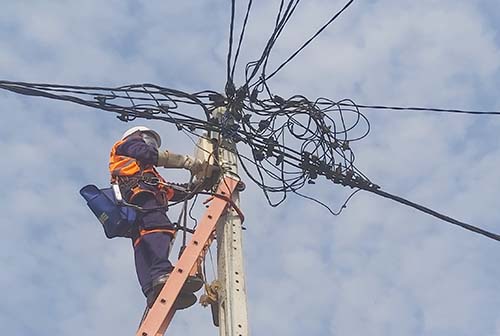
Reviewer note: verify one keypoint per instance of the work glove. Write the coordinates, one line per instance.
(208, 176)
(210, 170)
(193, 165)
(171, 160)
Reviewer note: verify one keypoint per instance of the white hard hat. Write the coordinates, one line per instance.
(135, 129)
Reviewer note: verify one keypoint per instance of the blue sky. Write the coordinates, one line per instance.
(378, 269)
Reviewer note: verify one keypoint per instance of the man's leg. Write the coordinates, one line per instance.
(142, 268)
(157, 244)
(151, 259)
(155, 247)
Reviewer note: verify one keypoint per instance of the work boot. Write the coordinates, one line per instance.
(185, 299)
(192, 284)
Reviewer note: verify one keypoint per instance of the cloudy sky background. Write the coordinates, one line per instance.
(378, 269)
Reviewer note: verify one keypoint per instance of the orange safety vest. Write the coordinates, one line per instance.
(125, 166)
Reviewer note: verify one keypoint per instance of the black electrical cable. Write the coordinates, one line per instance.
(230, 47)
(424, 109)
(289, 142)
(281, 21)
(242, 34)
(335, 213)
(308, 41)
(437, 214)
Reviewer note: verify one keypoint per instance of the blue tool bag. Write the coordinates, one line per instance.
(116, 219)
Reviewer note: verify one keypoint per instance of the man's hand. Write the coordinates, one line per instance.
(208, 175)
(193, 165)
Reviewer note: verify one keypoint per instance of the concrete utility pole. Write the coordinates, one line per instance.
(233, 316)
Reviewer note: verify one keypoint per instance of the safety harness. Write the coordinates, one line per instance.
(134, 178)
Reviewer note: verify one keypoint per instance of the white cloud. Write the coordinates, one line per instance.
(378, 269)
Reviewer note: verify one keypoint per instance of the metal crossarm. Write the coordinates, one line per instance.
(161, 313)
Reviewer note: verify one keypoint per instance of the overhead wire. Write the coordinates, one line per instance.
(436, 214)
(242, 34)
(230, 44)
(289, 142)
(315, 35)
(425, 109)
(282, 19)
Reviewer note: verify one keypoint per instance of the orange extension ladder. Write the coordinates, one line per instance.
(157, 319)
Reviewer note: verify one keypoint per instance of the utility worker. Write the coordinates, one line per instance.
(132, 165)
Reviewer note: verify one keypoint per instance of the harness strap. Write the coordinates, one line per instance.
(144, 232)
(163, 192)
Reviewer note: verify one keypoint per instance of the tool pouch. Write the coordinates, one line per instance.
(116, 219)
